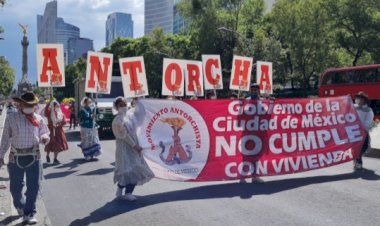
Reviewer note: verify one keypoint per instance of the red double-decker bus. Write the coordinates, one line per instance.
(351, 80)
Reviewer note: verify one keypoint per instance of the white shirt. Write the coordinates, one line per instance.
(366, 115)
(21, 134)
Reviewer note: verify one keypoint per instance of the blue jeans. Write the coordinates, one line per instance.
(32, 170)
(363, 150)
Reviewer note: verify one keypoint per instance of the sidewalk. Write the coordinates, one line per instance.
(8, 214)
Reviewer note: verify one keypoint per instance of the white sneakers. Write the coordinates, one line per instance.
(29, 219)
(129, 197)
(119, 193)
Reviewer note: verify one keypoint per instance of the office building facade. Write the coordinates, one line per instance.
(159, 14)
(78, 47)
(53, 29)
(118, 25)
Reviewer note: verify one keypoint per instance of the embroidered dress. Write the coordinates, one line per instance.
(89, 134)
(130, 166)
(56, 121)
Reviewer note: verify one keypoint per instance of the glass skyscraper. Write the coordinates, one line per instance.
(159, 14)
(53, 29)
(118, 25)
(77, 48)
(179, 23)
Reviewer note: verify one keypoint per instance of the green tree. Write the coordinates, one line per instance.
(7, 77)
(154, 48)
(300, 27)
(357, 26)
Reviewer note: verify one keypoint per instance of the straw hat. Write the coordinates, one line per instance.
(363, 95)
(27, 98)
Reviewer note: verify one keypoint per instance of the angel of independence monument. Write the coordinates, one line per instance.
(24, 85)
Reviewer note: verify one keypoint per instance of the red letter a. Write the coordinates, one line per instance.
(49, 64)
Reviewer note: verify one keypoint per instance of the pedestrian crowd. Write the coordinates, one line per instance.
(24, 131)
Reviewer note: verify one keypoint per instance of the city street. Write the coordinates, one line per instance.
(82, 193)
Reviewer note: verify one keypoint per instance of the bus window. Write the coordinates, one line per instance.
(327, 79)
(377, 75)
(343, 77)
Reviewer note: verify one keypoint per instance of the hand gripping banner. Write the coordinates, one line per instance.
(231, 139)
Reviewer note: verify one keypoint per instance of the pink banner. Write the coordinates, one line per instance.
(208, 140)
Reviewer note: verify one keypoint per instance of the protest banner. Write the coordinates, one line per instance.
(241, 73)
(133, 76)
(193, 78)
(50, 65)
(264, 77)
(232, 139)
(98, 72)
(212, 70)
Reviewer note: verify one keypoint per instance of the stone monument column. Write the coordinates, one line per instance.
(25, 44)
(24, 85)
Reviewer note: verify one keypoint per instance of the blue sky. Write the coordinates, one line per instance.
(89, 15)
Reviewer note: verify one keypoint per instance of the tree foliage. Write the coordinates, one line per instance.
(7, 77)
(356, 24)
(154, 48)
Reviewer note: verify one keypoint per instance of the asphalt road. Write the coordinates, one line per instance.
(82, 193)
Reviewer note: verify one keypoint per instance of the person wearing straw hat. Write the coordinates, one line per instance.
(366, 115)
(130, 166)
(23, 131)
(56, 121)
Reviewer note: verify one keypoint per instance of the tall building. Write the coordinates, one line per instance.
(159, 14)
(78, 47)
(53, 29)
(165, 15)
(118, 25)
(64, 33)
(46, 24)
(179, 22)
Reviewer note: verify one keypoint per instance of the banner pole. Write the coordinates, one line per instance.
(133, 82)
(212, 70)
(51, 99)
(96, 104)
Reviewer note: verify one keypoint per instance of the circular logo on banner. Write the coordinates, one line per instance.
(177, 138)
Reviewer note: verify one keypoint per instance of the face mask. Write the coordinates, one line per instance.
(123, 110)
(358, 101)
(28, 111)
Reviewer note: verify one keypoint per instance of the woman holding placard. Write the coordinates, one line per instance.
(130, 166)
(89, 131)
(56, 121)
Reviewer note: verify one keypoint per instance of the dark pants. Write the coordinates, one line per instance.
(32, 171)
(364, 149)
(73, 120)
(129, 188)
